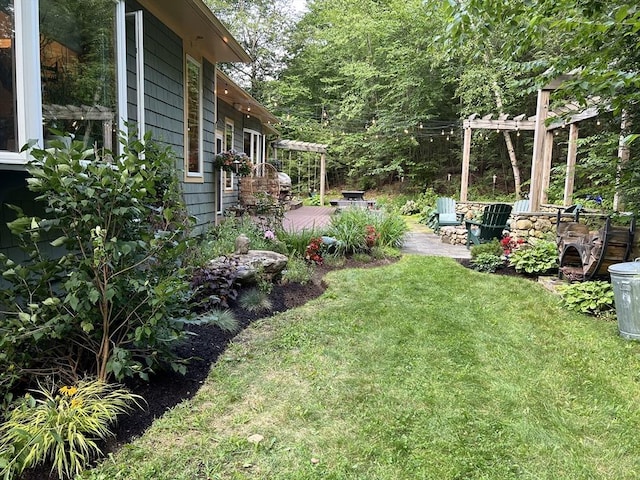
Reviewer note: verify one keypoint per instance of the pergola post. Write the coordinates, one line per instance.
(537, 162)
(546, 169)
(466, 154)
(623, 157)
(323, 174)
(572, 152)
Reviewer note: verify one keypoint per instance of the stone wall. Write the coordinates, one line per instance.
(525, 225)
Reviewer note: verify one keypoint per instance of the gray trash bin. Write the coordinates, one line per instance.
(625, 280)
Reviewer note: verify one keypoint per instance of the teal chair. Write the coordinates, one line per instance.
(445, 214)
(493, 223)
(521, 206)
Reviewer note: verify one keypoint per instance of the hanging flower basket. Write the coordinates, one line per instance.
(233, 162)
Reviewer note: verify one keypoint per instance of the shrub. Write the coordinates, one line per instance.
(61, 425)
(297, 271)
(492, 248)
(214, 285)
(111, 299)
(592, 297)
(487, 262)
(535, 259)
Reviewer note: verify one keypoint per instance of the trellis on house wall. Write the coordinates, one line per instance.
(543, 124)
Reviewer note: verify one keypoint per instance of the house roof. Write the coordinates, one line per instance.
(199, 27)
(231, 93)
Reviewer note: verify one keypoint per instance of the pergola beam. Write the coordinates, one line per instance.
(299, 146)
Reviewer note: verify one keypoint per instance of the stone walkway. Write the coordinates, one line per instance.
(424, 243)
(418, 241)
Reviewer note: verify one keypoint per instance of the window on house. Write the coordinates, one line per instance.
(194, 118)
(253, 146)
(77, 68)
(227, 178)
(8, 104)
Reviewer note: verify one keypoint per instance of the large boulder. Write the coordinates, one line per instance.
(256, 263)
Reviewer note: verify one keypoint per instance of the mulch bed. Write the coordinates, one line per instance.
(167, 389)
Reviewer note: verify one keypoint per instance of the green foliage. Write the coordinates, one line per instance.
(61, 425)
(297, 271)
(593, 297)
(296, 241)
(113, 301)
(223, 319)
(538, 258)
(214, 285)
(358, 230)
(255, 300)
(492, 248)
(487, 262)
(220, 240)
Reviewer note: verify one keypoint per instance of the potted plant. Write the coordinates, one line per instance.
(233, 162)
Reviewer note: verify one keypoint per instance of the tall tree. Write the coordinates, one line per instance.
(263, 28)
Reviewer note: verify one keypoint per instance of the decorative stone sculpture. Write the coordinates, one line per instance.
(242, 244)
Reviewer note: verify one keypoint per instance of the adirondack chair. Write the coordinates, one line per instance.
(521, 206)
(445, 214)
(494, 221)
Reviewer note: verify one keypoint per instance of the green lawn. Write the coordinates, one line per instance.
(418, 370)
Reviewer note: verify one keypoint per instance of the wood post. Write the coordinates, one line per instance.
(623, 156)
(546, 166)
(323, 174)
(537, 162)
(466, 154)
(571, 164)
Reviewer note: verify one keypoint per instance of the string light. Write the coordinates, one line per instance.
(451, 132)
(226, 88)
(442, 132)
(598, 122)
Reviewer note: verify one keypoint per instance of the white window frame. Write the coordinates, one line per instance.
(28, 86)
(28, 83)
(228, 178)
(256, 145)
(197, 177)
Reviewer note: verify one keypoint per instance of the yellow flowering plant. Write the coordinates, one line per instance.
(61, 425)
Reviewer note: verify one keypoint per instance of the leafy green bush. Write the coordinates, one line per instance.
(297, 271)
(592, 297)
(538, 258)
(111, 300)
(492, 248)
(61, 425)
(487, 262)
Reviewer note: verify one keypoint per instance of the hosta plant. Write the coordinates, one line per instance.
(592, 297)
(535, 259)
(487, 262)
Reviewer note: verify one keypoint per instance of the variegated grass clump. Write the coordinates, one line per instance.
(61, 425)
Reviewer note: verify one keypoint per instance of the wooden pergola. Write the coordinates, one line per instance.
(298, 146)
(543, 125)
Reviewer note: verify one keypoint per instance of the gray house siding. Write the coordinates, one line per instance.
(164, 58)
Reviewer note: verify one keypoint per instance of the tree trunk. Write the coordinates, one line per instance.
(507, 139)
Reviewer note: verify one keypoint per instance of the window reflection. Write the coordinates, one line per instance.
(77, 68)
(8, 123)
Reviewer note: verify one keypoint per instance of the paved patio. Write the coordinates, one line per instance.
(415, 242)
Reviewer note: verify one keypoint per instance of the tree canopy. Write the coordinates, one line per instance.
(386, 83)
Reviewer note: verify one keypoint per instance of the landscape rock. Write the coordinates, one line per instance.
(255, 264)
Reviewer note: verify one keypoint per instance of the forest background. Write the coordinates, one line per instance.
(387, 83)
